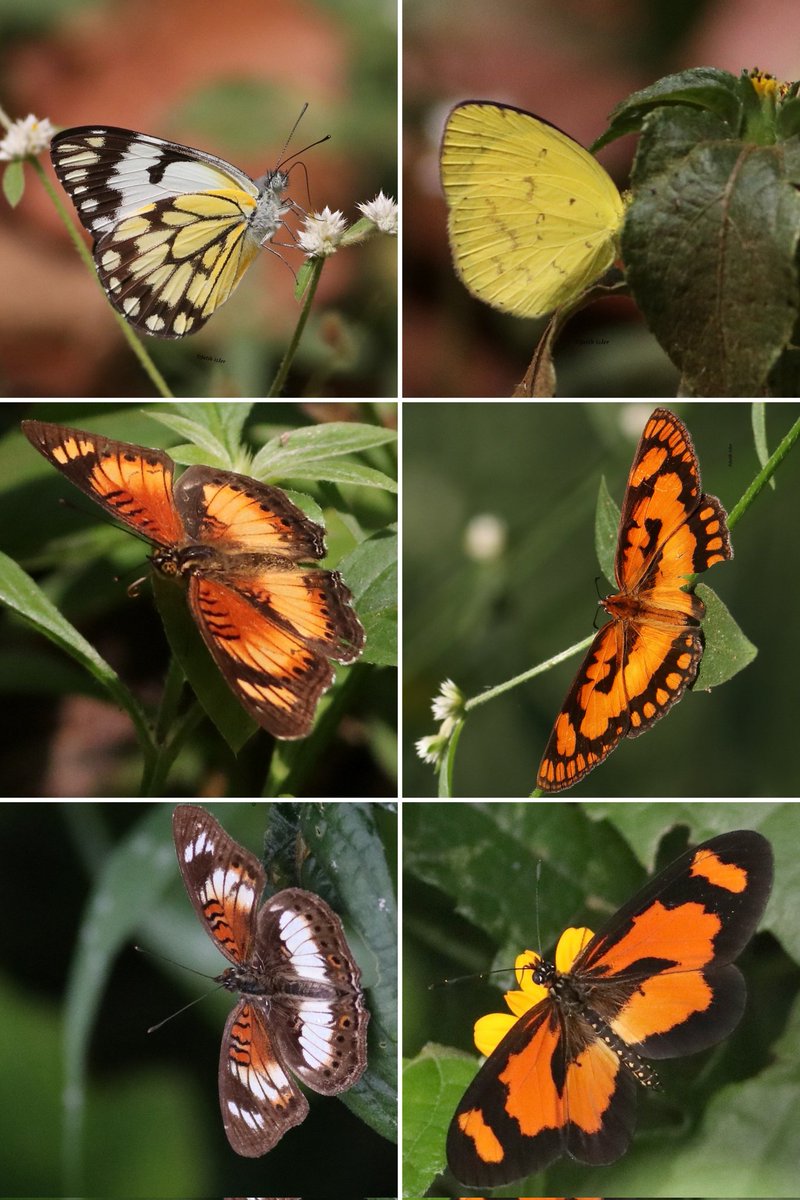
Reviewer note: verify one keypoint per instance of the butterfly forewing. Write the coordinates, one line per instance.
(301, 1010)
(224, 881)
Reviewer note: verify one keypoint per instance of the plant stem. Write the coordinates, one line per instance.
(279, 381)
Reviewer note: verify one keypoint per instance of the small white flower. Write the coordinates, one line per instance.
(485, 537)
(448, 704)
(431, 748)
(382, 211)
(322, 233)
(26, 138)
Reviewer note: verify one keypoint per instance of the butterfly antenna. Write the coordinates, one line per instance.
(537, 907)
(473, 975)
(282, 161)
(178, 1012)
(183, 967)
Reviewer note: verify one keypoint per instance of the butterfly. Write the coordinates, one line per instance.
(533, 218)
(643, 659)
(301, 1009)
(271, 624)
(174, 228)
(657, 982)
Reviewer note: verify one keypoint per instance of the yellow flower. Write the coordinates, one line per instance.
(490, 1030)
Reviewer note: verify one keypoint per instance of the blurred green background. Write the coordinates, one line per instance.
(479, 881)
(62, 736)
(230, 80)
(569, 63)
(76, 1002)
(534, 469)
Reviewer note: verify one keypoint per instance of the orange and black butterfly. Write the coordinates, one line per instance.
(643, 659)
(270, 623)
(657, 982)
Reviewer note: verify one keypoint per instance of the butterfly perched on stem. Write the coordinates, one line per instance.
(301, 1010)
(174, 228)
(271, 624)
(657, 982)
(643, 659)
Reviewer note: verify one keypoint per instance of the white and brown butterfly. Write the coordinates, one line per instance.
(301, 1009)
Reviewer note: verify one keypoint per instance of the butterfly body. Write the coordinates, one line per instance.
(174, 228)
(657, 982)
(301, 1010)
(270, 623)
(643, 660)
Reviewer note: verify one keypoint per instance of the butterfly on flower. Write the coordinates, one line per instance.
(657, 982)
(300, 1011)
(270, 623)
(174, 228)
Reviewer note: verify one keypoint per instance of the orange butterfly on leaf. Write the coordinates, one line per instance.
(643, 659)
(271, 624)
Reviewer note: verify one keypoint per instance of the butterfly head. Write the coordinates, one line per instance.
(176, 561)
(242, 979)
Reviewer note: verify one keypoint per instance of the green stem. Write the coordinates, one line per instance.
(279, 381)
(765, 474)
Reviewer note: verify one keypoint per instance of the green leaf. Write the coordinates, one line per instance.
(304, 277)
(433, 1084)
(349, 868)
(297, 450)
(727, 650)
(19, 593)
(14, 182)
(606, 529)
(370, 571)
(705, 88)
(714, 224)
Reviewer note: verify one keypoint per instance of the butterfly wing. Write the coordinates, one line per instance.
(258, 1099)
(175, 228)
(270, 626)
(550, 1086)
(223, 880)
(668, 528)
(132, 483)
(240, 514)
(533, 217)
(662, 968)
(320, 1020)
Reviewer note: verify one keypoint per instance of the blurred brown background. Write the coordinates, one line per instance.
(569, 63)
(229, 79)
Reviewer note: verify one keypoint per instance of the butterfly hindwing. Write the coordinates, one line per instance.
(322, 1025)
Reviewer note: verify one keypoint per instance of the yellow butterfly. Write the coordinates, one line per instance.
(533, 217)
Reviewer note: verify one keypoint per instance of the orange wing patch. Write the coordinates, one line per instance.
(657, 982)
(642, 661)
(271, 625)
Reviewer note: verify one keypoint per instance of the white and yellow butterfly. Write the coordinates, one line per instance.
(174, 228)
(533, 218)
